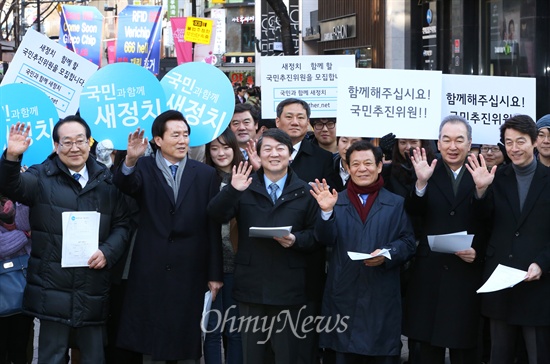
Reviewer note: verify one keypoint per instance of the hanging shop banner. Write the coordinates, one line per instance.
(198, 30)
(81, 31)
(138, 36)
(184, 50)
(118, 99)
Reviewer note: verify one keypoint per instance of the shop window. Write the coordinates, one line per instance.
(247, 38)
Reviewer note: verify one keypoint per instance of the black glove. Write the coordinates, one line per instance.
(502, 148)
(386, 144)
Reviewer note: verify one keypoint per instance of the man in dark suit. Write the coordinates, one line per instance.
(516, 200)
(177, 253)
(441, 304)
(310, 162)
(240, 95)
(269, 271)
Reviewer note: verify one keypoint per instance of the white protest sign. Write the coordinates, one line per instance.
(487, 101)
(313, 79)
(52, 68)
(375, 102)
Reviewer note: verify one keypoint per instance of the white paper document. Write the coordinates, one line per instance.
(269, 232)
(206, 311)
(503, 277)
(363, 256)
(80, 237)
(450, 243)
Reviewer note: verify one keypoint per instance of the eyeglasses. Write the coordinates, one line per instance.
(320, 126)
(487, 149)
(68, 145)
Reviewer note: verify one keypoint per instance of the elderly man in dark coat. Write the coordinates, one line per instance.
(363, 295)
(76, 298)
(177, 254)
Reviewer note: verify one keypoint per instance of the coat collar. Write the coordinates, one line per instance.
(442, 181)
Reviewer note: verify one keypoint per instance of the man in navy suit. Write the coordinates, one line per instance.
(177, 253)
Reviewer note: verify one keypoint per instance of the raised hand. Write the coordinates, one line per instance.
(18, 141)
(253, 157)
(422, 169)
(480, 174)
(321, 193)
(137, 145)
(240, 179)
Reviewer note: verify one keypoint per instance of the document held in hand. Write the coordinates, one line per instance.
(450, 243)
(503, 277)
(80, 237)
(269, 232)
(362, 256)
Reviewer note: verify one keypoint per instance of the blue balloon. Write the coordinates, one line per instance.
(203, 94)
(27, 104)
(118, 99)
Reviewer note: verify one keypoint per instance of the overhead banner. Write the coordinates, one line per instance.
(184, 50)
(138, 36)
(81, 31)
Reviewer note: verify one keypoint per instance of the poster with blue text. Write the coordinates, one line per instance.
(81, 30)
(138, 36)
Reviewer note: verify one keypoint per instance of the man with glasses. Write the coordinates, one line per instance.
(324, 130)
(543, 140)
(66, 298)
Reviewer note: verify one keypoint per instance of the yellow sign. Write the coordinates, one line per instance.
(218, 1)
(198, 30)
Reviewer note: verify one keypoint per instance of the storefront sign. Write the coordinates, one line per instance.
(342, 28)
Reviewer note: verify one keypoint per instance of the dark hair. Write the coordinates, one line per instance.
(455, 119)
(521, 123)
(70, 119)
(268, 123)
(401, 168)
(226, 138)
(314, 121)
(276, 134)
(159, 124)
(240, 88)
(239, 108)
(364, 145)
(291, 101)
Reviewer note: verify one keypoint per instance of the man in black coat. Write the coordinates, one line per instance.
(516, 200)
(177, 253)
(441, 304)
(269, 271)
(66, 298)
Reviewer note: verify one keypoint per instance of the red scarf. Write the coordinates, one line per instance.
(372, 190)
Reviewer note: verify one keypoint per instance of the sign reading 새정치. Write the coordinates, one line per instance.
(118, 99)
(203, 94)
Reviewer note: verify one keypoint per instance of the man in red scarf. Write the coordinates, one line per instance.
(364, 293)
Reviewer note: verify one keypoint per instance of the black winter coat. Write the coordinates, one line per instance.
(266, 272)
(72, 296)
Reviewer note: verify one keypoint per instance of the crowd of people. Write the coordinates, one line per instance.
(342, 272)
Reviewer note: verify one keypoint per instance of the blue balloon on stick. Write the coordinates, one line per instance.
(118, 99)
(29, 105)
(205, 97)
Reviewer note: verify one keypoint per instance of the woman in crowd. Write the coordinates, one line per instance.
(223, 153)
(14, 242)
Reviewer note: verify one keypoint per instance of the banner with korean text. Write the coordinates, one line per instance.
(138, 36)
(184, 50)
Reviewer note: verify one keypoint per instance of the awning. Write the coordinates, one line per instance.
(247, 68)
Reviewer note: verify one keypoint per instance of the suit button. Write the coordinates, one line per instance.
(452, 213)
(517, 233)
(445, 267)
(172, 211)
(168, 267)
(510, 256)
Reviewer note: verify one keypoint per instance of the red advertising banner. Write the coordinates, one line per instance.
(184, 50)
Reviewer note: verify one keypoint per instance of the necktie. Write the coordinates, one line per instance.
(364, 198)
(245, 154)
(77, 176)
(273, 187)
(174, 170)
